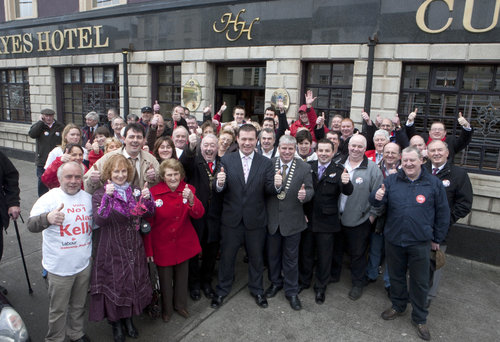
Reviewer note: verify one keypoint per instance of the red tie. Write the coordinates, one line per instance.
(211, 166)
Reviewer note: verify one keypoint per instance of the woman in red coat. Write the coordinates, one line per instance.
(173, 240)
(72, 152)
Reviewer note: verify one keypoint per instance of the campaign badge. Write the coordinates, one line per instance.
(158, 203)
(46, 133)
(58, 133)
(420, 199)
(359, 180)
(446, 183)
(331, 175)
(137, 192)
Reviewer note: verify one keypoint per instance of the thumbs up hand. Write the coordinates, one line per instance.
(221, 177)
(187, 195)
(462, 121)
(278, 179)
(366, 118)
(56, 216)
(151, 173)
(110, 188)
(302, 193)
(222, 108)
(379, 195)
(320, 121)
(412, 116)
(156, 107)
(345, 178)
(95, 174)
(145, 191)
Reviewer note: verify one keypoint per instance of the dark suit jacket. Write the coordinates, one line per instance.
(86, 136)
(288, 214)
(197, 175)
(323, 210)
(242, 201)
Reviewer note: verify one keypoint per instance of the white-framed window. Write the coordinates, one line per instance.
(87, 5)
(20, 9)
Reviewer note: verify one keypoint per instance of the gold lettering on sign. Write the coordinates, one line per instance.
(469, 6)
(421, 16)
(238, 27)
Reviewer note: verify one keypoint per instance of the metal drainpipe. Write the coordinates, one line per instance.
(125, 84)
(372, 41)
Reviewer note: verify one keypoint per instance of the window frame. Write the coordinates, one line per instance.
(155, 87)
(10, 10)
(4, 117)
(88, 5)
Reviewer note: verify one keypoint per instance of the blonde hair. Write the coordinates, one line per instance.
(65, 132)
(109, 141)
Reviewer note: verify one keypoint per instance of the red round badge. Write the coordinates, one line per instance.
(420, 199)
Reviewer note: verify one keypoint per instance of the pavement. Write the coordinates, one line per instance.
(467, 307)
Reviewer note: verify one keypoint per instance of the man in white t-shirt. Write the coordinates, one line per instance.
(64, 216)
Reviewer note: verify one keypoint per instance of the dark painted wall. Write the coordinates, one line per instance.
(54, 8)
(2, 12)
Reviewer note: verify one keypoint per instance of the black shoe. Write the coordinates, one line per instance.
(216, 302)
(368, 281)
(334, 280)
(272, 291)
(260, 300)
(303, 287)
(355, 292)
(195, 294)
(294, 302)
(118, 335)
(422, 331)
(320, 297)
(208, 291)
(84, 338)
(130, 329)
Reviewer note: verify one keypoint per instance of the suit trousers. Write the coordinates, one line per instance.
(416, 259)
(283, 258)
(356, 242)
(231, 240)
(338, 256)
(201, 275)
(167, 287)
(42, 189)
(322, 244)
(67, 297)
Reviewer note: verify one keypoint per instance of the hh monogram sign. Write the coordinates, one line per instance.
(234, 27)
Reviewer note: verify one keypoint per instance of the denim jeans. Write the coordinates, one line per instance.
(375, 256)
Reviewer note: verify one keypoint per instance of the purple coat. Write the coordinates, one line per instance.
(119, 283)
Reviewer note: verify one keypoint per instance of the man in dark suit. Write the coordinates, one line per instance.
(88, 131)
(201, 169)
(246, 178)
(329, 181)
(287, 220)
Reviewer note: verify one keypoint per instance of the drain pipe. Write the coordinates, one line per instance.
(125, 84)
(372, 42)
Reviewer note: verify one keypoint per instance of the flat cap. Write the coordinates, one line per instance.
(47, 111)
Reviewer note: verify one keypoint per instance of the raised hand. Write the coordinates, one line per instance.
(463, 121)
(187, 195)
(412, 116)
(221, 177)
(281, 105)
(109, 188)
(366, 118)
(320, 121)
(222, 108)
(88, 146)
(95, 147)
(193, 138)
(207, 109)
(379, 195)
(345, 178)
(378, 120)
(302, 193)
(156, 107)
(278, 179)
(395, 120)
(309, 98)
(66, 157)
(392, 170)
(56, 216)
(95, 174)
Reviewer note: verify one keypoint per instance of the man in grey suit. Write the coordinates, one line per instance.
(245, 179)
(287, 220)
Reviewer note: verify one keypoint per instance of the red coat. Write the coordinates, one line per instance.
(311, 115)
(172, 239)
(93, 157)
(49, 177)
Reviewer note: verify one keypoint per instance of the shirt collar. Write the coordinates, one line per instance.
(251, 155)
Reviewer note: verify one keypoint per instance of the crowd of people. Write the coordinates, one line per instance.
(187, 195)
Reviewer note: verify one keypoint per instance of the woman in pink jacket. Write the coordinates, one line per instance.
(173, 240)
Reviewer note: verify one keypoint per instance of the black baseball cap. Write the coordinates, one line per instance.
(147, 109)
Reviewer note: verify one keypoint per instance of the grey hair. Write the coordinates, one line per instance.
(287, 139)
(415, 149)
(180, 128)
(383, 133)
(360, 136)
(268, 130)
(92, 116)
(211, 136)
(436, 141)
(117, 118)
(61, 169)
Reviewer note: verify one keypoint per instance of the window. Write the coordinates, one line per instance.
(87, 5)
(20, 9)
(166, 88)
(440, 92)
(15, 96)
(87, 89)
(332, 84)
